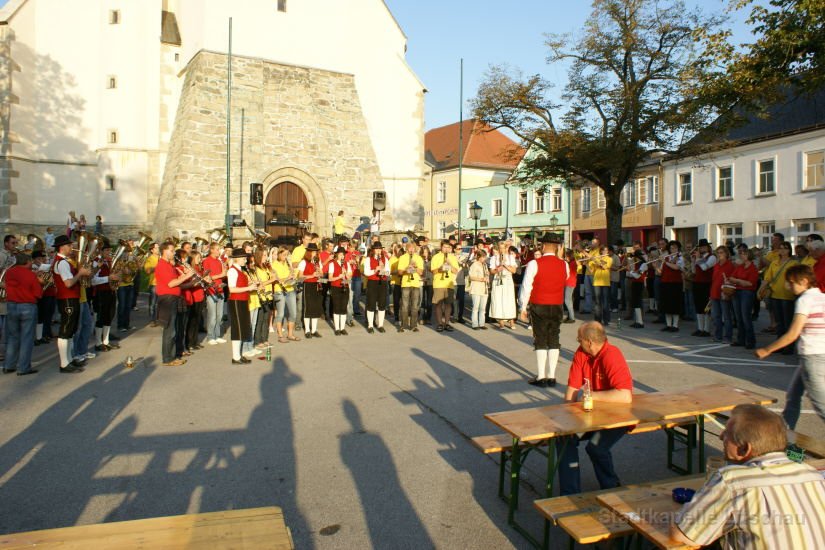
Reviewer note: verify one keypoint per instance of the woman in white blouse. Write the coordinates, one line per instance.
(479, 278)
(503, 293)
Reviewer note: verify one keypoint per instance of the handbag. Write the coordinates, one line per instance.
(765, 292)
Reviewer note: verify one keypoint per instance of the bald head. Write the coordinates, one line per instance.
(592, 331)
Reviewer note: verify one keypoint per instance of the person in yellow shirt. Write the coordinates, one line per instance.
(395, 281)
(444, 267)
(149, 267)
(600, 267)
(286, 306)
(781, 298)
(804, 257)
(340, 226)
(410, 268)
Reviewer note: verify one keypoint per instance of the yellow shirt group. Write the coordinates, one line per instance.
(282, 271)
(601, 275)
(778, 289)
(410, 280)
(298, 254)
(440, 278)
(151, 263)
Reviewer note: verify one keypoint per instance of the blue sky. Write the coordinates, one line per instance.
(485, 32)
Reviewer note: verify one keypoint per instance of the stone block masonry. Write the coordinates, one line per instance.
(300, 125)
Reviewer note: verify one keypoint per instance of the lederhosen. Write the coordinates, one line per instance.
(546, 301)
(240, 323)
(105, 303)
(68, 301)
(339, 293)
(313, 296)
(376, 287)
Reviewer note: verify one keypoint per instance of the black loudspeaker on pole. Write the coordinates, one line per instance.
(256, 193)
(379, 201)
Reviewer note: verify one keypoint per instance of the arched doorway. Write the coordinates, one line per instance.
(285, 206)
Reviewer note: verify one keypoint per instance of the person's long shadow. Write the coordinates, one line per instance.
(391, 518)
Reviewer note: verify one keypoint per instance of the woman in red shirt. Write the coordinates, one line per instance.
(721, 312)
(746, 278)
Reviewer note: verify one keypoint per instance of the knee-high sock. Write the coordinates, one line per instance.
(700, 322)
(106, 331)
(307, 325)
(676, 321)
(370, 318)
(236, 350)
(63, 351)
(314, 325)
(541, 363)
(381, 313)
(342, 320)
(552, 361)
(637, 316)
(98, 336)
(38, 331)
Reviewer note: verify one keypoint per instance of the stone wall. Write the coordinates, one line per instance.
(300, 124)
(112, 232)
(7, 98)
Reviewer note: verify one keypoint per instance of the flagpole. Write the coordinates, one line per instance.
(460, 141)
(228, 126)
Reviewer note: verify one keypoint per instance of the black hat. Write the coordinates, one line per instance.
(61, 240)
(703, 242)
(312, 247)
(341, 249)
(377, 245)
(343, 239)
(239, 253)
(38, 254)
(552, 238)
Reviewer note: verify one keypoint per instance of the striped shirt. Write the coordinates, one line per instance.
(768, 502)
(811, 304)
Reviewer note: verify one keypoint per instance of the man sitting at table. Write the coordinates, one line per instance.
(763, 499)
(605, 367)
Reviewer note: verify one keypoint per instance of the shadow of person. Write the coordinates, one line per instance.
(391, 519)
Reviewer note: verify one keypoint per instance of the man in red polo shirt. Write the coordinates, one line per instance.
(167, 286)
(22, 292)
(603, 364)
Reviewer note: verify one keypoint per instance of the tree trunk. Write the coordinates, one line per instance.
(613, 213)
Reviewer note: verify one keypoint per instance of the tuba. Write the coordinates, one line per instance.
(144, 244)
(202, 244)
(218, 235)
(120, 263)
(262, 239)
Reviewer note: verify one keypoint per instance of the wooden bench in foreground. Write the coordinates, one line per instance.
(503, 443)
(253, 528)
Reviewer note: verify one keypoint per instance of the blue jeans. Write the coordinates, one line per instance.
(742, 310)
(689, 307)
(720, 314)
(20, 322)
(355, 297)
(249, 345)
(810, 376)
(568, 302)
(80, 342)
(479, 306)
(286, 308)
(598, 449)
(588, 294)
(214, 313)
(601, 304)
(153, 303)
(124, 306)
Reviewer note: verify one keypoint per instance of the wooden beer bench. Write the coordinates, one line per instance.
(682, 430)
(253, 528)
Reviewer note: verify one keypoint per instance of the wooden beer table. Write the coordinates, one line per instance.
(532, 427)
(251, 529)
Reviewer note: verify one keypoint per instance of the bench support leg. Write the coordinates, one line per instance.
(700, 427)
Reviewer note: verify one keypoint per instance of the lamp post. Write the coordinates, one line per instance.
(475, 214)
(554, 221)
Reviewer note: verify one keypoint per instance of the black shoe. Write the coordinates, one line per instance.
(39, 341)
(9, 371)
(439, 328)
(637, 325)
(551, 382)
(483, 327)
(30, 371)
(664, 329)
(71, 369)
(370, 330)
(337, 333)
(568, 321)
(706, 334)
(415, 329)
(475, 328)
(381, 330)
(536, 382)
(316, 335)
(460, 321)
(400, 329)
(308, 335)
(344, 332)
(240, 361)
(674, 329)
(350, 323)
(112, 345)
(449, 328)
(113, 338)
(735, 344)
(79, 363)
(102, 347)
(697, 333)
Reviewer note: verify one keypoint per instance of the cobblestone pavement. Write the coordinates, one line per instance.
(363, 440)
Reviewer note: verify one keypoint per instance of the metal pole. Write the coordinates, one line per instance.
(228, 125)
(460, 142)
(240, 178)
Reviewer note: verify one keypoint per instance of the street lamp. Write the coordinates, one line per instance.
(475, 214)
(554, 221)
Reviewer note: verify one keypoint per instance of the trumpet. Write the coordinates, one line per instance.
(197, 278)
(666, 257)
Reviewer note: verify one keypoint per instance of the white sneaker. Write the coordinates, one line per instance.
(220, 341)
(90, 355)
(271, 330)
(213, 342)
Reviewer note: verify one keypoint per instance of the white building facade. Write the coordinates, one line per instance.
(90, 92)
(749, 191)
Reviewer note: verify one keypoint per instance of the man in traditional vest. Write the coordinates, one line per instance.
(543, 290)
(67, 282)
(104, 302)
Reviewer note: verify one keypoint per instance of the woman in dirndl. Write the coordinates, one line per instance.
(309, 271)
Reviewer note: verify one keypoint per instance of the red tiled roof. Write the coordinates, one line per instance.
(483, 147)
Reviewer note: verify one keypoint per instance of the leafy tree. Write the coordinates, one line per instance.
(633, 90)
